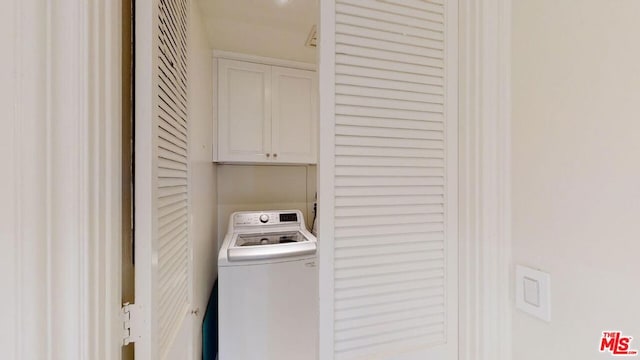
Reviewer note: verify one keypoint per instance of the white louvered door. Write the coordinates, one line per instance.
(388, 179)
(162, 245)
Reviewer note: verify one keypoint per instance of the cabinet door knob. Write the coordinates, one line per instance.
(268, 155)
(275, 155)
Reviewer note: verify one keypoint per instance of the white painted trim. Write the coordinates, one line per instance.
(104, 29)
(83, 179)
(214, 101)
(326, 176)
(452, 159)
(146, 13)
(67, 160)
(485, 243)
(107, 40)
(220, 54)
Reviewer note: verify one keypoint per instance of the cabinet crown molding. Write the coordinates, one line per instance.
(221, 54)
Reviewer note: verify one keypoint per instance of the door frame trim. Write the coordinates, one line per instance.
(484, 183)
(67, 150)
(485, 170)
(326, 176)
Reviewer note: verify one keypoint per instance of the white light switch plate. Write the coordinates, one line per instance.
(533, 292)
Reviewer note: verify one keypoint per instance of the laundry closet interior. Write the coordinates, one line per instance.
(295, 180)
(265, 132)
(237, 110)
(265, 105)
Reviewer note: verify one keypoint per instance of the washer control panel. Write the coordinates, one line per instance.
(266, 218)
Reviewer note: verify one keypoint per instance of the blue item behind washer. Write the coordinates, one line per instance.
(210, 327)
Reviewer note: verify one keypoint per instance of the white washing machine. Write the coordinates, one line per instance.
(268, 288)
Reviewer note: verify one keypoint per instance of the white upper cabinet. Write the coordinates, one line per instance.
(244, 111)
(293, 115)
(266, 114)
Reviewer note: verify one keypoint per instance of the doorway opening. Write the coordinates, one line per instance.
(128, 86)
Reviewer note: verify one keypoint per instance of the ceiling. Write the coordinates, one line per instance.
(268, 28)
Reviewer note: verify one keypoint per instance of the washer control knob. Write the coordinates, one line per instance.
(264, 218)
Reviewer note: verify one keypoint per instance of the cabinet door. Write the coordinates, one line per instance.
(244, 111)
(294, 115)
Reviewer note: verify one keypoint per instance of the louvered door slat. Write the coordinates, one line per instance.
(390, 46)
(433, 249)
(398, 210)
(169, 67)
(385, 103)
(402, 338)
(171, 88)
(429, 314)
(429, 297)
(389, 190)
(171, 156)
(168, 146)
(392, 75)
(169, 79)
(168, 90)
(430, 6)
(368, 23)
(399, 153)
(379, 93)
(375, 260)
(406, 8)
(171, 104)
(390, 161)
(391, 278)
(388, 180)
(174, 125)
(406, 266)
(392, 255)
(382, 239)
(386, 17)
(370, 220)
(384, 309)
(173, 28)
(384, 54)
(391, 327)
(173, 168)
(171, 225)
(173, 273)
(377, 290)
(372, 131)
(379, 112)
(398, 143)
(173, 165)
(388, 171)
(398, 38)
(368, 82)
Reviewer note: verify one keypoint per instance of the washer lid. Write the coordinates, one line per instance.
(285, 237)
(270, 245)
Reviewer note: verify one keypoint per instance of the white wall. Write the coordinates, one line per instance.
(576, 170)
(8, 234)
(203, 171)
(264, 187)
(261, 40)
